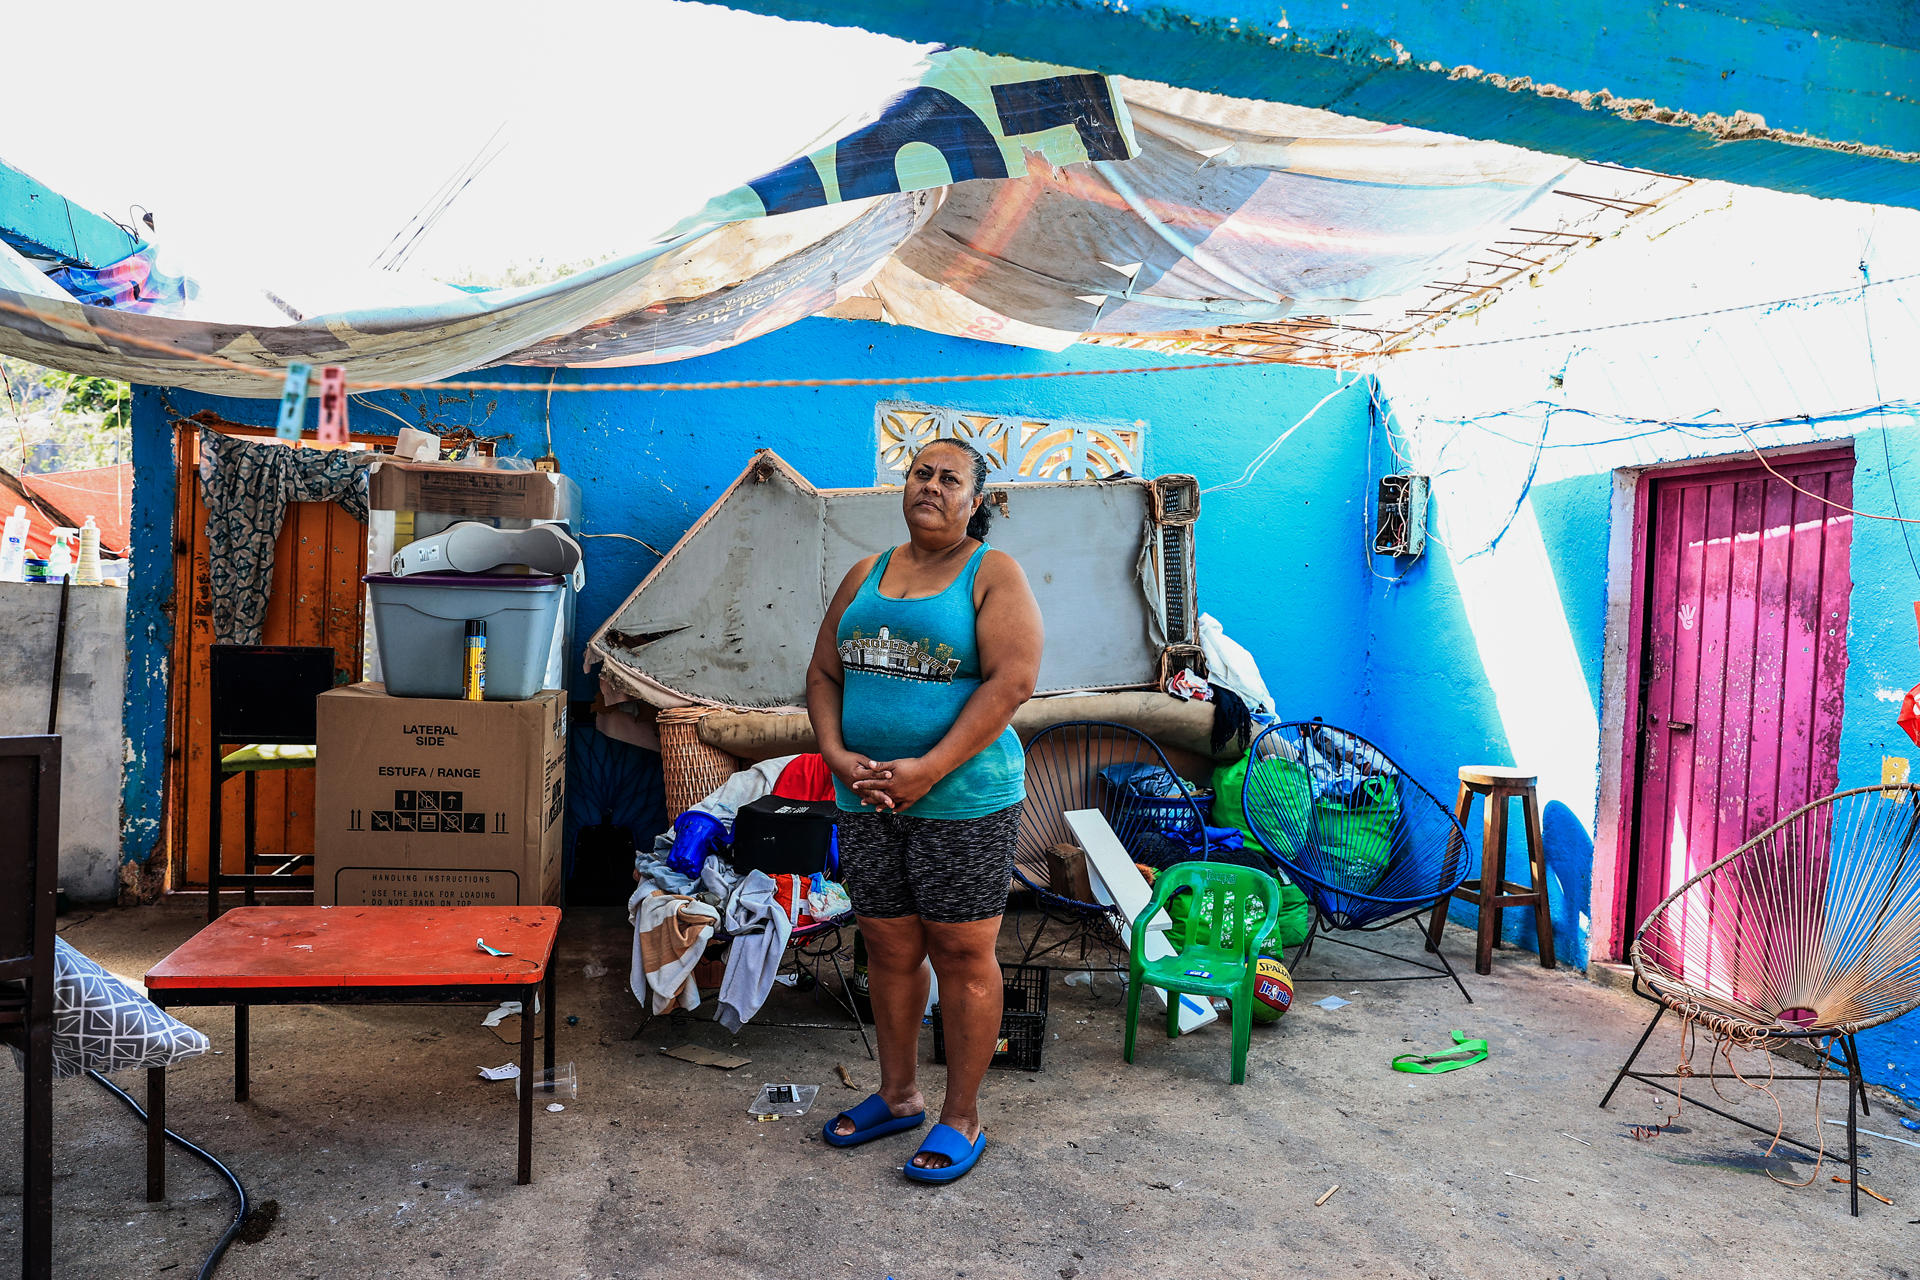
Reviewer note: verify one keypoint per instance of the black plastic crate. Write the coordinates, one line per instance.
(1023, 1026)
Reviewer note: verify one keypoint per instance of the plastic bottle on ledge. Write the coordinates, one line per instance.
(13, 547)
(86, 570)
(60, 559)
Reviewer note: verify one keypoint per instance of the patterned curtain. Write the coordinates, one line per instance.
(247, 486)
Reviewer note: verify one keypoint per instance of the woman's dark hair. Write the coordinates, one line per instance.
(977, 526)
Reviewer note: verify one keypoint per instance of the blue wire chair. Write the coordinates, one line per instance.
(1073, 765)
(1367, 844)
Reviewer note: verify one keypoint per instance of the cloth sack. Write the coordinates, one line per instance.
(1356, 836)
(1290, 795)
(1183, 907)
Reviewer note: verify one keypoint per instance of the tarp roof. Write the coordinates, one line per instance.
(997, 199)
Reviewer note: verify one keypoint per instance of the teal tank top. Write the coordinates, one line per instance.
(911, 665)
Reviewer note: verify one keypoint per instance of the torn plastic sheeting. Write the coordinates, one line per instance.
(1232, 213)
(997, 199)
(725, 275)
(775, 540)
(459, 331)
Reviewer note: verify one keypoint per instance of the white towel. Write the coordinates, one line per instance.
(759, 926)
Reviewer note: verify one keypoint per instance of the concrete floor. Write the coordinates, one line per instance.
(385, 1154)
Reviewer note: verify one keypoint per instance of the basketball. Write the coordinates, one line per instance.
(1272, 990)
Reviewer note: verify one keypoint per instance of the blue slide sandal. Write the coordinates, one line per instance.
(871, 1119)
(945, 1140)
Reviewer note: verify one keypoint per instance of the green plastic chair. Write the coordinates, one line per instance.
(1205, 967)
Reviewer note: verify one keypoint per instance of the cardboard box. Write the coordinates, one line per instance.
(469, 492)
(438, 802)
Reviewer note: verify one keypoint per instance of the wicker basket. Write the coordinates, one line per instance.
(691, 768)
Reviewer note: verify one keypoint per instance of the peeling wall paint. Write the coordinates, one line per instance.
(149, 638)
(89, 723)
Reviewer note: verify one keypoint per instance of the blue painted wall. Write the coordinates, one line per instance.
(1433, 707)
(1280, 560)
(1283, 561)
(1433, 703)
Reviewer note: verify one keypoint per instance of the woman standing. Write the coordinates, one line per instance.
(926, 651)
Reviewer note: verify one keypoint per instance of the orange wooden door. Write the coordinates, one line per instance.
(315, 600)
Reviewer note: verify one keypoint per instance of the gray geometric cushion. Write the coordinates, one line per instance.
(101, 1022)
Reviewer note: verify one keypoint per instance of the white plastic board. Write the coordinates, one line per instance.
(1118, 881)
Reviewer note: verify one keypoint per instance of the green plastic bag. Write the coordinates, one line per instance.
(1296, 917)
(1181, 906)
(1279, 802)
(1356, 837)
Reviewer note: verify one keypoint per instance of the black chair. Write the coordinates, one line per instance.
(1072, 766)
(1367, 844)
(29, 862)
(263, 701)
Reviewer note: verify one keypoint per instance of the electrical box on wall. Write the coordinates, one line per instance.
(1400, 516)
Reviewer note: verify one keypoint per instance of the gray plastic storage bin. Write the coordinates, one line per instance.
(420, 625)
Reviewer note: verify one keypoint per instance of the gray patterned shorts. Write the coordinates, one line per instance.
(947, 870)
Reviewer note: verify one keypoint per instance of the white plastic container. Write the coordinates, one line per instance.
(60, 558)
(13, 546)
(86, 569)
(422, 633)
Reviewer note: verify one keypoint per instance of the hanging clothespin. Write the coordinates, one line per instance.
(333, 405)
(293, 402)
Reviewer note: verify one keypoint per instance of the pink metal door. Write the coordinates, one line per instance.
(1744, 640)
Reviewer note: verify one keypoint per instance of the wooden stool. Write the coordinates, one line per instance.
(1492, 892)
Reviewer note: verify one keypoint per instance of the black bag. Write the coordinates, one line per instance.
(784, 837)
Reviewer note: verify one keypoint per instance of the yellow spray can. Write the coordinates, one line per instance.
(474, 681)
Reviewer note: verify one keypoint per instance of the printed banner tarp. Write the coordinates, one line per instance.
(1232, 213)
(996, 198)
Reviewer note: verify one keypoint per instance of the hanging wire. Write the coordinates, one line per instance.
(1824, 295)
(395, 255)
(365, 403)
(629, 537)
(1873, 370)
(1245, 478)
(1366, 539)
(547, 413)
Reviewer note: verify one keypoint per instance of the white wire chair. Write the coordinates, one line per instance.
(1808, 932)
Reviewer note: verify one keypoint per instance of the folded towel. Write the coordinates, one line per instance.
(670, 934)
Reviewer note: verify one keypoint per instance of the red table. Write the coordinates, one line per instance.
(357, 955)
